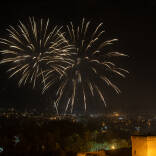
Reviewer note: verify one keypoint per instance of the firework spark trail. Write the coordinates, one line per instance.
(35, 50)
(90, 58)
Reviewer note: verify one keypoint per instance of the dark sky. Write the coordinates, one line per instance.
(133, 23)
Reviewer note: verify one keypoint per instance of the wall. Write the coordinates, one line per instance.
(80, 154)
(143, 146)
(151, 146)
(139, 146)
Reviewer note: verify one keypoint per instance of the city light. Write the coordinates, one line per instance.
(112, 147)
(1, 149)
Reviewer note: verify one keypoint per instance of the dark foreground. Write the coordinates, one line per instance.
(29, 136)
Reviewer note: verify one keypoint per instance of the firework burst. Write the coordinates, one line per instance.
(35, 50)
(92, 62)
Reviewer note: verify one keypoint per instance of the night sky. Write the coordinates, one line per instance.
(133, 23)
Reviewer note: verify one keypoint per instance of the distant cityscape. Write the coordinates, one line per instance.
(137, 123)
(90, 132)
